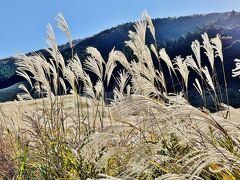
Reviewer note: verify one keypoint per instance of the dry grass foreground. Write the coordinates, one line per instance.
(144, 132)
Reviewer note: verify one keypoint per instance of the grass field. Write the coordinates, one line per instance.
(143, 132)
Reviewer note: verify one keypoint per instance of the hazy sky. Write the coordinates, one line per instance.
(23, 22)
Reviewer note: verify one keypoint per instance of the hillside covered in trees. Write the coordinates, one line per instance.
(173, 33)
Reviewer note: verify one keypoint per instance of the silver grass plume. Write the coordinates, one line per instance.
(208, 78)
(88, 87)
(95, 54)
(42, 70)
(63, 85)
(151, 27)
(154, 50)
(164, 56)
(92, 65)
(51, 41)
(115, 56)
(62, 24)
(143, 75)
(137, 39)
(76, 66)
(236, 70)
(94, 62)
(196, 48)
(38, 68)
(148, 59)
(191, 63)
(181, 66)
(209, 49)
(121, 83)
(218, 46)
(25, 95)
(99, 89)
(25, 64)
(70, 77)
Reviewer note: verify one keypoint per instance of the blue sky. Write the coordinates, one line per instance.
(23, 22)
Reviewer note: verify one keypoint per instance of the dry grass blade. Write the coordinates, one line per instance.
(198, 87)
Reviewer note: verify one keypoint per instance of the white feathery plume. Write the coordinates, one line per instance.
(115, 56)
(197, 51)
(236, 71)
(24, 65)
(99, 89)
(54, 74)
(151, 27)
(36, 65)
(96, 55)
(209, 49)
(140, 34)
(153, 48)
(121, 83)
(88, 86)
(76, 66)
(160, 78)
(147, 59)
(61, 61)
(141, 70)
(109, 69)
(121, 58)
(191, 63)
(218, 46)
(164, 56)
(45, 65)
(51, 41)
(62, 83)
(94, 62)
(23, 87)
(21, 72)
(70, 77)
(25, 95)
(40, 74)
(62, 24)
(92, 65)
(144, 85)
(137, 39)
(182, 67)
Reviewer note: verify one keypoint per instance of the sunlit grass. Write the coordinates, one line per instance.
(144, 132)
